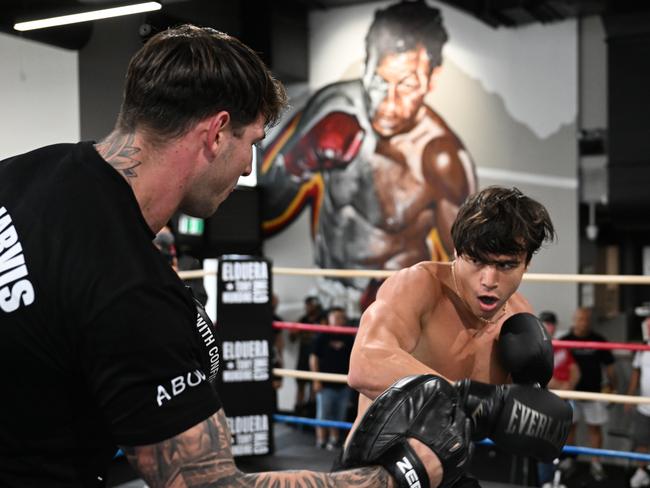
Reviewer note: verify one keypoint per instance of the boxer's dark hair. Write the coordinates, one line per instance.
(336, 308)
(500, 220)
(404, 27)
(185, 74)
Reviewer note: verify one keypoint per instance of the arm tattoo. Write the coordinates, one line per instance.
(118, 150)
(200, 457)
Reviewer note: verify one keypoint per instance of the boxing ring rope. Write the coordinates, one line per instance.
(589, 451)
(566, 394)
(335, 329)
(379, 273)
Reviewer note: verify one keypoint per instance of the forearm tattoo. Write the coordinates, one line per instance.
(121, 153)
(201, 457)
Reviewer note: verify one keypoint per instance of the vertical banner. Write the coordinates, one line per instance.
(244, 315)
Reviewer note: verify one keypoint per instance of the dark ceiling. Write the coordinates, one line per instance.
(496, 13)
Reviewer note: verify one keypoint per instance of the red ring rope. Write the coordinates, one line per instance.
(335, 329)
(327, 329)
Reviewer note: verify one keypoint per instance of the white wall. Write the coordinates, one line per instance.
(39, 95)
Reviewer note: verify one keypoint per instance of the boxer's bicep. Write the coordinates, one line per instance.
(389, 331)
(395, 317)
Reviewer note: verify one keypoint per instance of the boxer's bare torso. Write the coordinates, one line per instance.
(420, 324)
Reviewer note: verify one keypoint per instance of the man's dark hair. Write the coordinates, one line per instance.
(183, 75)
(548, 316)
(500, 220)
(405, 26)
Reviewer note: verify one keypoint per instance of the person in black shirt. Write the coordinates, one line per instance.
(331, 354)
(590, 363)
(101, 345)
(313, 315)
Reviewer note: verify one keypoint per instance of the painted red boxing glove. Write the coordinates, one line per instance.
(525, 350)
(331, 143)
(520, 419)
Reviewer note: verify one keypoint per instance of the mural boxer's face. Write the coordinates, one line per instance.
(399, 84)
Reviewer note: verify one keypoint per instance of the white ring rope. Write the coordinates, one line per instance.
(371, 273)
(568, 395)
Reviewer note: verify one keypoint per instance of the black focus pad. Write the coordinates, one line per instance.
(525, 349)
(533, 422)
(424, 407)
(210, 344)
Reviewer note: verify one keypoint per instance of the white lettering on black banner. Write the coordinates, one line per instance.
(245, 361)
(250, 434)
(245, 282)
(15, 288)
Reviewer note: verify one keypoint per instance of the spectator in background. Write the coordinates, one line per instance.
(166, 243)
(641, 421)
(313, 315)
(566, 375)
(331, 354)
(566, 372)
(590, 363)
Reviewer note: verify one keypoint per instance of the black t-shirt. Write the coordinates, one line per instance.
(333, 351)
(98, 339)
(590, 361)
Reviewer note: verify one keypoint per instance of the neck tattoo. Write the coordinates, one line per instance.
(485, 321)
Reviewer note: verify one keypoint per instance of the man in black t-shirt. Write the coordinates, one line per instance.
(591, 362)
(101, 345)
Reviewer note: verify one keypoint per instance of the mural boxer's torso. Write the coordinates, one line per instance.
(387, 202)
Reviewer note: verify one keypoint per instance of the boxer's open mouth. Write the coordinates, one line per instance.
(488, 300)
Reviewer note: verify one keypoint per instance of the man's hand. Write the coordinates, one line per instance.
(425, 408)
(518, 418)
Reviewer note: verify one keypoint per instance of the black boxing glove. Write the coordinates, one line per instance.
(520, 419)
(209, 343)
(525, 349)
(424, 407)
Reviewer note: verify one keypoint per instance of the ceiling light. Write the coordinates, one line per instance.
(87, 16)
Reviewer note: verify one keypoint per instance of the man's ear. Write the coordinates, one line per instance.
(215, 129)
(434, 76)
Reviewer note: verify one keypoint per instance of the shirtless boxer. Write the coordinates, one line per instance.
(383, 172)
(445, 318)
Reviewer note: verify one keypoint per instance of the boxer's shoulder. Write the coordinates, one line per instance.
(418, 286)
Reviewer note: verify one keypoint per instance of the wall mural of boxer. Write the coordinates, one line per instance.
(381, 171)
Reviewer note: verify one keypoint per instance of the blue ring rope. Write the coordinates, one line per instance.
(635, 456)
(290, 419)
